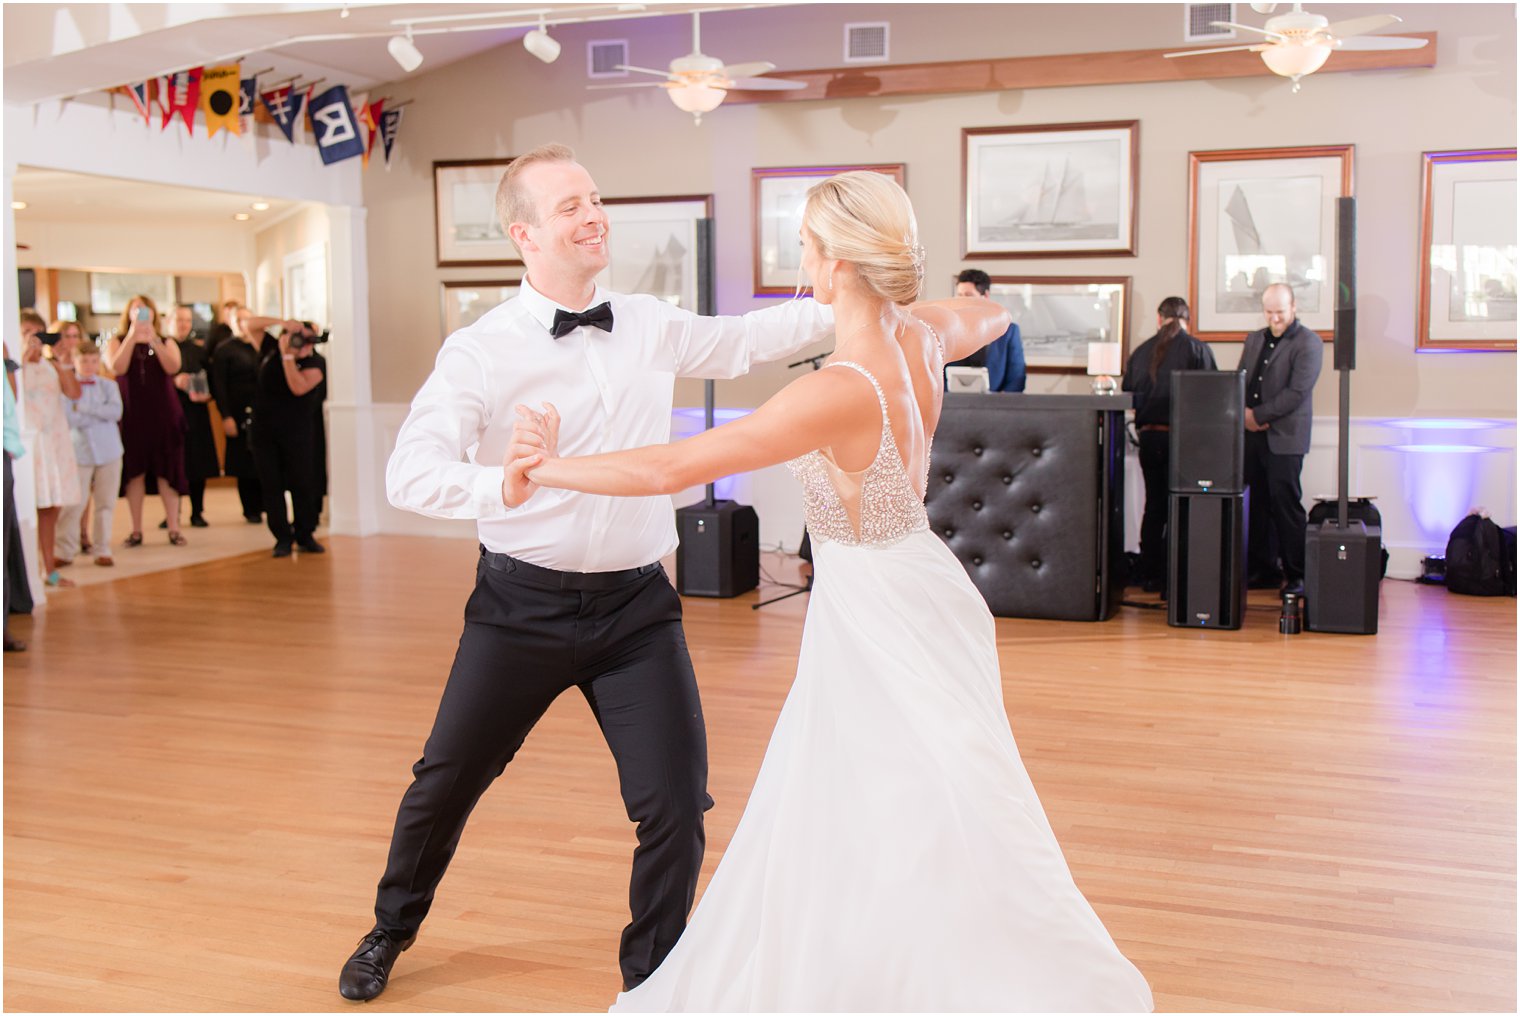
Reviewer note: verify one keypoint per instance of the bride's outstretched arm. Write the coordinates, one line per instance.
(964, 323)
(812, 412)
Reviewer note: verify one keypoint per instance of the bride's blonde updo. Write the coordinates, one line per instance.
(865, 218)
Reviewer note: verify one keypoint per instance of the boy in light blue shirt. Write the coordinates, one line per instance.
(95, 426)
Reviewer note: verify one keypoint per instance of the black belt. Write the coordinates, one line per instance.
(562, 579)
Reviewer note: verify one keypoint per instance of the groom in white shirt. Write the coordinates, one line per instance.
(569, 591)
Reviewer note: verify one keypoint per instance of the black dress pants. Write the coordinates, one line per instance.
(530, 634)
(1155, 462)
(284, 458)
(1277, 523)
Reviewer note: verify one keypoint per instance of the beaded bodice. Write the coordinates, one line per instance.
(872, 507)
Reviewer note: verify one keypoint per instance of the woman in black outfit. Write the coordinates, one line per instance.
(200, 447)
(235, 384)
(1149, 377)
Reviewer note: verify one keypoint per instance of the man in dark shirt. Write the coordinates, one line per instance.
(284, 438)
(1282, 363)
(1004, 357)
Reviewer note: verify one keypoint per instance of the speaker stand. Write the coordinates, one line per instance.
(804, 551)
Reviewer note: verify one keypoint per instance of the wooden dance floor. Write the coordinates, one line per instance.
(202, 767)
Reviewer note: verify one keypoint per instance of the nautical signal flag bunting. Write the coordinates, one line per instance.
(221, 97)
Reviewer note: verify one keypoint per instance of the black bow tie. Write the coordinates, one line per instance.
(599, 316)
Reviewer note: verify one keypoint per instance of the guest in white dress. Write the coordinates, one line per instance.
(45, 430)
(893, 855)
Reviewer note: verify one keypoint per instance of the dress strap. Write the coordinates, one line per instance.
(881, 397)
(939, 343)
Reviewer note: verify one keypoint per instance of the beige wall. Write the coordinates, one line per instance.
(504, 101)
(304, 226)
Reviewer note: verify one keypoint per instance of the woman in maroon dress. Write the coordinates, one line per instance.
(152, 423)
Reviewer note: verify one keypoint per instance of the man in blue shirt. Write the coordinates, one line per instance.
(1004, 358)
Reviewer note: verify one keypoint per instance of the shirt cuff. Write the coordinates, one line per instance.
(488, 491)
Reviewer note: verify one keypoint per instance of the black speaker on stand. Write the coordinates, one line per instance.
(1206, 577)
(719, 550)
(1342, 555)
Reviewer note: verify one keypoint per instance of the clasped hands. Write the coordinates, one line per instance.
(1251, 423)
(535, 438)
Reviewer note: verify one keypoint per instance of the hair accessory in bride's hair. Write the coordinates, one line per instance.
(916, 256)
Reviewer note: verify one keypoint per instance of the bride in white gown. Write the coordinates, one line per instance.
(893, 855)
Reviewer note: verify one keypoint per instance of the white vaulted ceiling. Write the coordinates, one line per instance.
(57, 51)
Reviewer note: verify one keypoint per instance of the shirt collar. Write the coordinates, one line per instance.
(1287, 334)
(541, 309)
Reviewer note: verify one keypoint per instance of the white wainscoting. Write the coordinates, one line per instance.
(1424, 473)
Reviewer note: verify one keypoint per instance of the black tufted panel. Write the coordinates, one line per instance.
(1024, 489)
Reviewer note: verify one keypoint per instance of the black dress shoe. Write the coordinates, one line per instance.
(1296, 588)
(310, 546)
(282, 549)
(199, 521)
(164, 524)
(253, 520)
(365, 974)
(14, 645)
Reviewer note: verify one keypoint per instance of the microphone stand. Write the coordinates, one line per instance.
(816, 362)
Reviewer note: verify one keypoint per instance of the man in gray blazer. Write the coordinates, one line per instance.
(1282, 363)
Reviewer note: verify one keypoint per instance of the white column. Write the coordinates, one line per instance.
(355, 463)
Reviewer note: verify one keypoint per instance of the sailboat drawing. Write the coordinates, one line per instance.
(1053, 208)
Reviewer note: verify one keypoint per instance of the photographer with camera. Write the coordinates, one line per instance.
(152, 423)
(45, 380)
(285, 435)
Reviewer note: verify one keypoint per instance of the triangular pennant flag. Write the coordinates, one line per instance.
(140, 99)
(180, 93)
(390, 123)
(248, 94)
(332, 121)
(369, 118)
(219, 99)
(284, 105)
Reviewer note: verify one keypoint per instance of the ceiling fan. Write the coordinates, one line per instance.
(1299, 43)
(698, 83)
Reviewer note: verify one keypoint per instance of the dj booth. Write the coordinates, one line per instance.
(1028, 492)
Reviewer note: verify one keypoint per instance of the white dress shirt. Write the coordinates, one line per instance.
(613, 391)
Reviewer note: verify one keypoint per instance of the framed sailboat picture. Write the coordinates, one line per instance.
(1259, 216)
(1051, 190)
(1058, 317)
(652, 247)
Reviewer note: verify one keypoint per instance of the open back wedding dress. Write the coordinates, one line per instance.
(893, 855)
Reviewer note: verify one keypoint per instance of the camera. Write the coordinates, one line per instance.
(307, 336)
(49, 338)
(144, 314)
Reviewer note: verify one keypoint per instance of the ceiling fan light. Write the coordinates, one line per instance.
(405, 52)
(694, 97)
(1292, 60)
(541, 45)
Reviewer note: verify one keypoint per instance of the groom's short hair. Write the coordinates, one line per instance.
(513, 202)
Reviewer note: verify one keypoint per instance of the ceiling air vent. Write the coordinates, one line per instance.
(866, 42)
(605, 56)
(1199, 26)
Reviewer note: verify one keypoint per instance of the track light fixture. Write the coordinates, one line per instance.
(539, 44)
(405, 51)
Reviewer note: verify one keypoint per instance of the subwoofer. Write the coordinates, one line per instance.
(1206, 578)
(1341, 569)
(719, 552)
(1208, 436)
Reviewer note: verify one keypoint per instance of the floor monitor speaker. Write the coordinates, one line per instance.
(719, 552)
